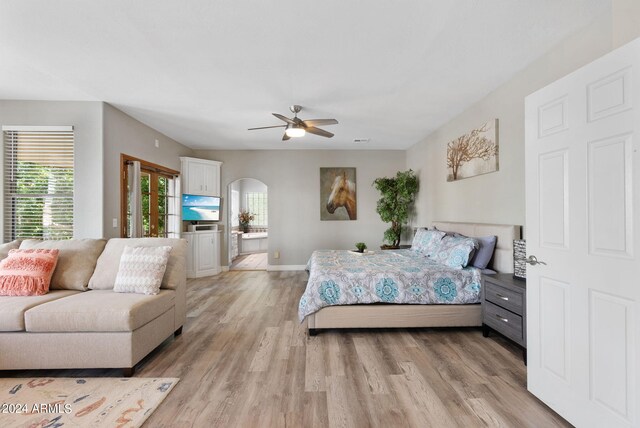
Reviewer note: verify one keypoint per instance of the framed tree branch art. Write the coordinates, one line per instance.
(474, 153)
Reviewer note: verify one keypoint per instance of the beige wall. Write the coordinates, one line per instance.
(497, 197)
(101, 133)
(86, 118)
(293, 179)
(626, 21)
(124, 134)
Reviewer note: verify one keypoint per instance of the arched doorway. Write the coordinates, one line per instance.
(248, 245)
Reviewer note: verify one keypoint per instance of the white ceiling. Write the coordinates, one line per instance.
(204, 71)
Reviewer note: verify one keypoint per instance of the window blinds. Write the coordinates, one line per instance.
(38, 182)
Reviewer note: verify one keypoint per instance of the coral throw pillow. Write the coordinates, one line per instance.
(27, 272)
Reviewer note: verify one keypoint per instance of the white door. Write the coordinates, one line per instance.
(583, 199)
(205, 254)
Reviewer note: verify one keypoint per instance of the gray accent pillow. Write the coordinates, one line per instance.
(484, 252)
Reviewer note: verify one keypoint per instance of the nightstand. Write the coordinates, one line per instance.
(504, 308)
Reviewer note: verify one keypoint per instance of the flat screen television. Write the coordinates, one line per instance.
(200, 208)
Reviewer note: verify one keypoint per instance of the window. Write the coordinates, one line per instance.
(159, 200)
(235, 208)
(257, 205)
(38, 182)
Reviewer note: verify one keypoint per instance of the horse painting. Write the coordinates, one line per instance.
(339, 184)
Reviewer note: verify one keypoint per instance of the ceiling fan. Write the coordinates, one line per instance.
(296, 127)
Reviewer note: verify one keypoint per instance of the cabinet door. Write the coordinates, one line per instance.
(205, 254)
(201, 178)
(211, 180)
(196, 178)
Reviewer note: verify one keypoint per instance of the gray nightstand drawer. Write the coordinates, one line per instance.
(504, 321)
(504, 297)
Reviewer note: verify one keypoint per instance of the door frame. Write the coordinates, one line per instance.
(145, 166)
(228, 216)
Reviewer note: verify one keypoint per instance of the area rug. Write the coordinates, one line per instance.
(81, 402)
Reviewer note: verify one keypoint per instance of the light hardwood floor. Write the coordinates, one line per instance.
(245, 361)
(257, 261)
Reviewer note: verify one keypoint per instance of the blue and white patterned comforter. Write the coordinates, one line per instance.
(338, 277)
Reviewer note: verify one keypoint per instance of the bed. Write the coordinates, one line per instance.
(427, 310)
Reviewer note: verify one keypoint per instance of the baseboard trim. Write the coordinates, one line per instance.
(224, 268)
(276, 268)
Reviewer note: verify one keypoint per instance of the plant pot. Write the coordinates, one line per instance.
(389, 247)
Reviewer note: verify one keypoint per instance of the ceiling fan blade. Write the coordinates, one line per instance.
(320, 122)
(318, 131)
(267, 127)
(283, 118)
(285, 137)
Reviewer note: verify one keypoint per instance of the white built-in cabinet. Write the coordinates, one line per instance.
(203, 253)
(200, 176)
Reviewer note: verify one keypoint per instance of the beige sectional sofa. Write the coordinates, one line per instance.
(82, 322)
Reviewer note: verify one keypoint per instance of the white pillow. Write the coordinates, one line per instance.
(141, 270)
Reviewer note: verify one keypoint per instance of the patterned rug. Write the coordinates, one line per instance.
(81, 402)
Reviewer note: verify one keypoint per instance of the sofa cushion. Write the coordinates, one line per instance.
(5, 248)
(76, 260)
(98, 310)
(108, 264)
(12, 308)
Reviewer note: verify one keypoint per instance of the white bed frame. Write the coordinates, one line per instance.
(404, 316)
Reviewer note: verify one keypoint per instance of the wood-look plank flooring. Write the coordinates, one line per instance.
(245, 361)
(257, 261)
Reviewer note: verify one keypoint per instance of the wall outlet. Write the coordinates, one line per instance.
(276, 254)
(157, 143)
(115, 222)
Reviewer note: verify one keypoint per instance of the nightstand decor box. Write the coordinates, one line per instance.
(519, 257)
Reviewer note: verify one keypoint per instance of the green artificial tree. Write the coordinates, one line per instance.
(398, 194)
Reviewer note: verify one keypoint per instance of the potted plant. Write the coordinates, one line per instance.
(245, 217)
(397, 196)
(361, 246)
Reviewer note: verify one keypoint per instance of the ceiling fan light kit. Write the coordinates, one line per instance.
(296, 127)
(295, 131)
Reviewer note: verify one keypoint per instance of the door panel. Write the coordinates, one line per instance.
(554, 326)
(552, 117)
(610, 370)
(610, 95)
(554, 199)
(582, 189)
(610, 185)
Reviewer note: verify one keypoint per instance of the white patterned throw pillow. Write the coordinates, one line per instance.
(141, 270)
